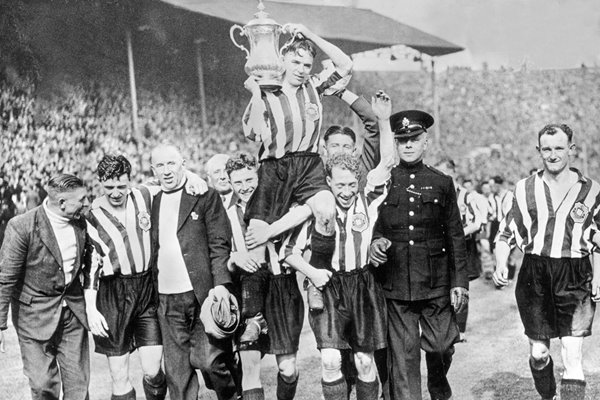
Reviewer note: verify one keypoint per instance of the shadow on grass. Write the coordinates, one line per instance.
(508, 385)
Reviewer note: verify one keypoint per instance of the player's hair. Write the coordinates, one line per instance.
(498, 180)
(339, 130)
(346, 161)
(112, 167)
(240, 161)
(61, 183)
(300, 43)
(552, 129)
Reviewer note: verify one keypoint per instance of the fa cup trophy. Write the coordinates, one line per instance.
(264, 58)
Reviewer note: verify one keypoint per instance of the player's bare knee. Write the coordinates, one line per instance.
(331, 363)
(120, 379)
(150, 359)
(287, 370)
(119, 370)
(540, 355)
(365, 366)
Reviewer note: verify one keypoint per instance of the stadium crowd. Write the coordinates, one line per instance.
(484, 116)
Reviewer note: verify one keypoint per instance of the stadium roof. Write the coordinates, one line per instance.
(355, 29)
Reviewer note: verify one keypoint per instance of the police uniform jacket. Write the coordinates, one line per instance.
(420, 216)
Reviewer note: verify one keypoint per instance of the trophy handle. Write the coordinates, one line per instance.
(231, 31)
(284, 28)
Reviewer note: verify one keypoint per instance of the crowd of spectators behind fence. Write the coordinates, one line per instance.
(487, 122)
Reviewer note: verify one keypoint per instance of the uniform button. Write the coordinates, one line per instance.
(411, 242)
(444, 249)
(385, 203)
(411, 186)
(411, 227)
(435, 200)
(412, 176)
(411, 213)
(411, 199)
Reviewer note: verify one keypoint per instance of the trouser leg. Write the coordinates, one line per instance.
(404, 352)
(73, 356)
(176, 314)
(41, 368)
(439, 332)
(438, 365)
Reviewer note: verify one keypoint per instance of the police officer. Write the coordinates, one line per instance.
(419, 246)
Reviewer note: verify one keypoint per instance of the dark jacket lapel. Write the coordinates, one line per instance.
(185, 208)
(47, 236)
(79, 227)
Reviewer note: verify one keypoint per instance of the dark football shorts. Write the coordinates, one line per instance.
(127, 302)
(355, 314)
(294, 178)
(284, 312)
(554, 297)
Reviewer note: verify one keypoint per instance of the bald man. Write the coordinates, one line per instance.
(218, 178)
(191, 243)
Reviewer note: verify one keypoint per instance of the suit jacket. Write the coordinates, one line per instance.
(421, 218)
(32, 277)
(204, 235)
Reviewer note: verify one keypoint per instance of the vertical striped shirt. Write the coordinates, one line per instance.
(501, 204)
(235, 213)
(353, 230)
(123, 247)
(565, 232)
(470, 209)
(288, 122)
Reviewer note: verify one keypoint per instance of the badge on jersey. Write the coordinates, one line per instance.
(360, 222)
(144, 220)
(579, 212)
(312, 111)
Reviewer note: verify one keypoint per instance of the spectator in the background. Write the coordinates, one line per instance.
(487, 257)
(472, 220)
(218, 178)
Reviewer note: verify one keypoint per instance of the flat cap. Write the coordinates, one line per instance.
(220, 318)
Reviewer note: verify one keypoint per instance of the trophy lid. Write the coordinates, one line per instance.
(261, 17)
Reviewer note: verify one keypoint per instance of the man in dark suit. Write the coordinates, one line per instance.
(191, 239)
(40, 264)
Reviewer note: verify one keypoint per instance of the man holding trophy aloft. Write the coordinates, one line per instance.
(287, 121)
(285, 114)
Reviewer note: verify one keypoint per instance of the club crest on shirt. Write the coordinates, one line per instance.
(579, 212)
(312, 111)
(144, 220)
(360, 222)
